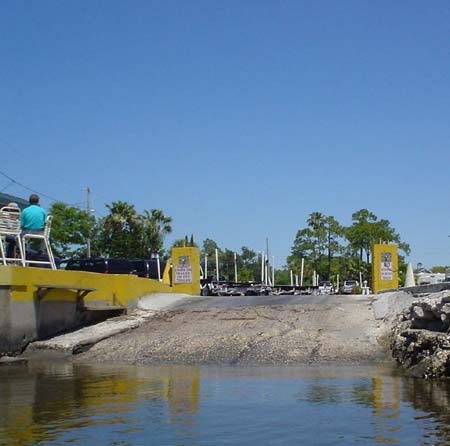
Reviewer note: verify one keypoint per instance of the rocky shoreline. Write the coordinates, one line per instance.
(420, 338)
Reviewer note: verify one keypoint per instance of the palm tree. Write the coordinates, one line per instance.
(119, 229)
(157, 225)
(316, 222)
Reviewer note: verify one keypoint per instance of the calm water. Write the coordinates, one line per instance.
(59, 403)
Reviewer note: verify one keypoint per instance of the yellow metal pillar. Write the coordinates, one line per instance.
(186, 270)
(384, 267)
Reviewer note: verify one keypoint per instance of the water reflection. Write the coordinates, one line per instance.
(59, 402)
(41, 402)
(432, 400)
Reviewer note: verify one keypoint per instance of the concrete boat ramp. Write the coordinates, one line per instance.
(182, 329)
(149, 306)
(152, 305)
(203, 314)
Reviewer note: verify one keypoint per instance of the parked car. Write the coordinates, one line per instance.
(148, 268)
(348, 286)
(325, 287)
(63, 263)
(101, 265)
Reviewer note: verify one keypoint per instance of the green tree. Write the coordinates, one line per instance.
(282, 277)
(70, 229)
(440, 269)
(334, 232)
(249, 266)
(159, 225)
(208, 250)
(227, 264)
(209, 247)
(183, 242)
(179, 243)
(360, 233)
(315, 243)
(367, 230)
(125, 233)
(121, 233)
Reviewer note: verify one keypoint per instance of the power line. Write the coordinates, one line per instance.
(12, 180)
(18, 183)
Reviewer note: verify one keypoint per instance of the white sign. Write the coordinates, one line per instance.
(386, 266)
(183, 273)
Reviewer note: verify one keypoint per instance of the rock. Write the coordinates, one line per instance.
(387, 306)
(419, 339)
(421, 312)
(445, 309)
(421, 324)
(445, 318)
(435, 325)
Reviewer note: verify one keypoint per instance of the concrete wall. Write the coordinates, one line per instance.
(431, 288)
(25, 317)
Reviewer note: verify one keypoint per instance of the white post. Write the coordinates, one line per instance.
(292, 278)
(296, 280)
(314, 278)
(217, 265)
(262, 267)
(337, 283)
(235, 268)
(158, 264)
(266, 270)
(360, 279)
(301, 272)
(206, 266)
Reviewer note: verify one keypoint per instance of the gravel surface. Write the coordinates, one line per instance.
(344, 331)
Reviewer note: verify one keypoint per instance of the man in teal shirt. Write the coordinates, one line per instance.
(32, 219)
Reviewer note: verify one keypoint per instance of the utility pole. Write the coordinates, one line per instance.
(267, 263)
(88, 205)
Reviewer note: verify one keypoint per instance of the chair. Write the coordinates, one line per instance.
(10, 226)
(44, 237)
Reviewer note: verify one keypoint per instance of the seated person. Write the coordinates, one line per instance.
(32, 219)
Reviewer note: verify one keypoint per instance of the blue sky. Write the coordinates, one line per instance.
(237, 118)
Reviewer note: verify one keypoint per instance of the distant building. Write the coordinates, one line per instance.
(5, 199)
(428, 278)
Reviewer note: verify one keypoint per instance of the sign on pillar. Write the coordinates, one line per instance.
(186, 270)
(384, 267)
